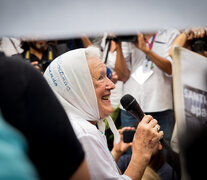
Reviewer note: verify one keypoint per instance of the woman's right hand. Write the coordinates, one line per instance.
(146, 137)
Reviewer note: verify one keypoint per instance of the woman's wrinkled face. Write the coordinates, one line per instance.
(102, 86)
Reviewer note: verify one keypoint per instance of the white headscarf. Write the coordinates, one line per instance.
(69, 77)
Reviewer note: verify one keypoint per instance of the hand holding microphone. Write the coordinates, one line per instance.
(130, 104)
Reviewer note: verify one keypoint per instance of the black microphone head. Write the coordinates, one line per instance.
(131, 105)
(126, 101)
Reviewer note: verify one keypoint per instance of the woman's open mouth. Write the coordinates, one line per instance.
(105, 97)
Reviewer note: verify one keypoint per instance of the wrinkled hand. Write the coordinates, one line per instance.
(147, 136)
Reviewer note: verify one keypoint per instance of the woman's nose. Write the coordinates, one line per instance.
(110, 84)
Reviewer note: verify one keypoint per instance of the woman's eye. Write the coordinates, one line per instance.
(101, 77)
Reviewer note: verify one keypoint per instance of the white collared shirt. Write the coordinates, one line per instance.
(155, 94)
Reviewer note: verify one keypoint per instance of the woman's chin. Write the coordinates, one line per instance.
(106, 112)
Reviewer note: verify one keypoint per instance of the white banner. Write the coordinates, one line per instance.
(190, 96)
(66, 18)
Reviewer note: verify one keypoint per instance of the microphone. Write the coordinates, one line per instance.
(130, 104)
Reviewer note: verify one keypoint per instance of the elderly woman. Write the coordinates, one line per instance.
(79, 80)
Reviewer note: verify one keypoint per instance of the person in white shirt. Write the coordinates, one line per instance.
(79, 80)
(145, 68)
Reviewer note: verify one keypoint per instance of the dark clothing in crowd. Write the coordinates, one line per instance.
(165, 171)
(72, 43)
(28, 104)
(193, 148)
(47, 56)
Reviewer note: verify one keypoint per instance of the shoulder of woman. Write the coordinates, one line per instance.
(83, 127)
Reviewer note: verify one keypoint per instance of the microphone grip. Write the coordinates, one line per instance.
(139, 115)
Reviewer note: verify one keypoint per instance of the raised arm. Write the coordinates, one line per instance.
(86, 41)
(121, 67)
(161, 62)
(183, 40)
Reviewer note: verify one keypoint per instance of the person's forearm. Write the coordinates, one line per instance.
(86, 41)
(179, 41)
(116, 154)
(121, 67)
(162, 63)
(137, 166)
(144, 141)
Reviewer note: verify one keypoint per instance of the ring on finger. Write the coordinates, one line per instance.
(157, 127)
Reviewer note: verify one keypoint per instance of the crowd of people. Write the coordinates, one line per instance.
(58, 97)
